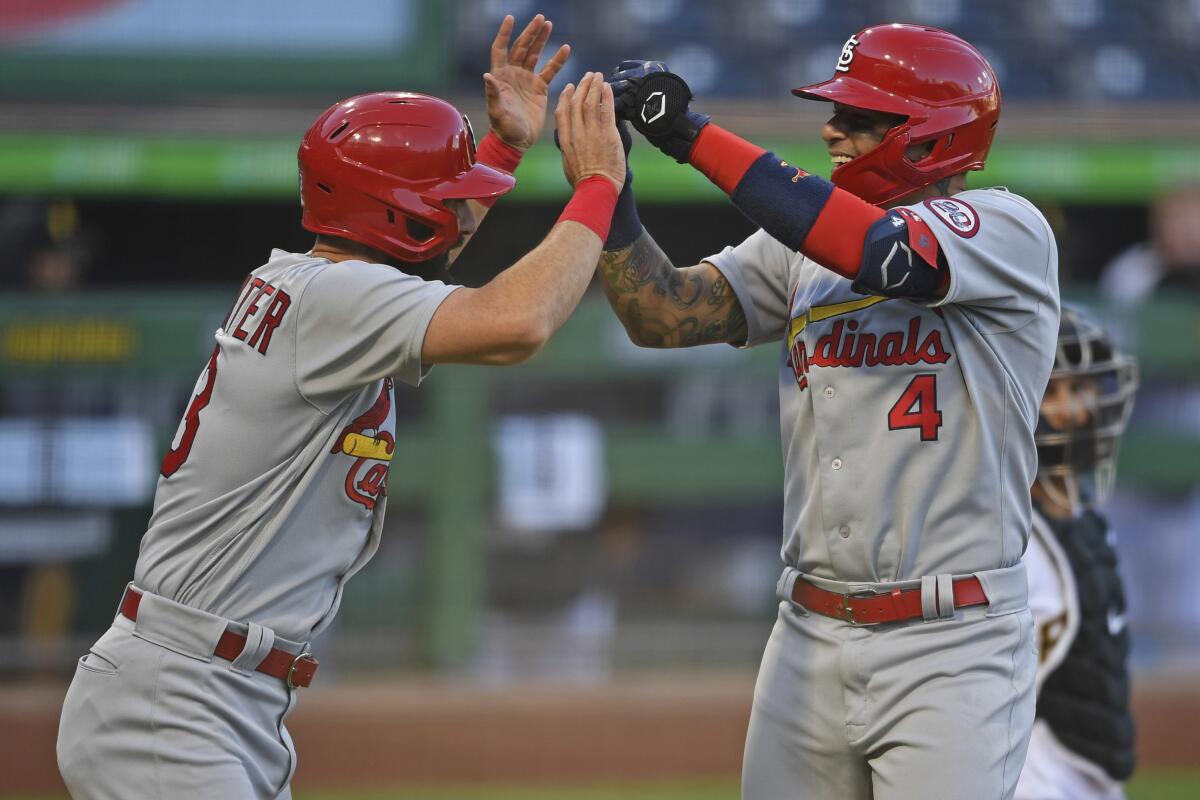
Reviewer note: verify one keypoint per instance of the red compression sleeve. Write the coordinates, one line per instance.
(722, 156)
(836, 238)
(497, 153)
(592, 204)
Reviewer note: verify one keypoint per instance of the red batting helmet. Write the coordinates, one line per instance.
(945, 88)
(377, 169)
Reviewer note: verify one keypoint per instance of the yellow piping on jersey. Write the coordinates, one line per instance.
(818, 313)
(360, 446)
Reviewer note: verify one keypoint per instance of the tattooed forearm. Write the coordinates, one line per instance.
(683, 290)
(642, 263)
(644, 331)
(662, 306)
(717, 292)
(730, 328)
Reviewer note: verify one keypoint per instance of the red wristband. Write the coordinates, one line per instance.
(592, 204)
(495, 152)
(722, 156)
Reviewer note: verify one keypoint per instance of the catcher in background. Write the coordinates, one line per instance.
(1082, 743)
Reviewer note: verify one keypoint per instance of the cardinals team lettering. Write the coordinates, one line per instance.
(843, 346)
(366, 480)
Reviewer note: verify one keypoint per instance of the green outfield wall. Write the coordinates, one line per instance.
(174, 167)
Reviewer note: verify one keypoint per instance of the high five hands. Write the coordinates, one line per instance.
(516, 93)
(587, 131)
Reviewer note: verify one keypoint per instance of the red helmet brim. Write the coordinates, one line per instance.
(480, 182)
(853, 92)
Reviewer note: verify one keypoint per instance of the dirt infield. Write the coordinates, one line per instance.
(392, 733)
(429, 734)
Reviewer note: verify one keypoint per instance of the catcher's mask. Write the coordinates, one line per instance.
(944, 88)
(378, 169)
(1083, 414)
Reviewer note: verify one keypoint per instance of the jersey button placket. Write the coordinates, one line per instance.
(836, 464)
(830, 392)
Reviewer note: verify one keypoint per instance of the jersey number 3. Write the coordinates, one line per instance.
(917, 408)
(191, 420)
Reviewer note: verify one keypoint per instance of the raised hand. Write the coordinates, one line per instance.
(516, 94)
(655, 101)
(587, 131)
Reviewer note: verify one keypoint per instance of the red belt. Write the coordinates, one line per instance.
(895, 606)
(294, 670)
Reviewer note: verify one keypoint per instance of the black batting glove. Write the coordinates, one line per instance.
(655, 101)
(626, 136)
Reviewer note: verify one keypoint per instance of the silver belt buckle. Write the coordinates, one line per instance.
(848, 610)
(292, 669)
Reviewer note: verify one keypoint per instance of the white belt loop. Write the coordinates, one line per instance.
(1006, 588)
(929, 597)
(121, 602)
(259, 642)
(945, 595)
(784, 587)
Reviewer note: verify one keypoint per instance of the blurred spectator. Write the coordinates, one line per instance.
(1157, 282)
(1169, 260)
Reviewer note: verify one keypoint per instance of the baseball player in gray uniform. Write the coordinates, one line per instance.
(274, 489)
(917, 321)
(1082, 746)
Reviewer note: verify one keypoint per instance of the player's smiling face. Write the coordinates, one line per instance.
(852, 132)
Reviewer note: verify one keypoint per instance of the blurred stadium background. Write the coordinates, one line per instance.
(578, 571)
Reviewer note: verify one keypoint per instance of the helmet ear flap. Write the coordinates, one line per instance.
(417, 231)
(937, 148)
(414, 229)
(942, 145)
(435, 224)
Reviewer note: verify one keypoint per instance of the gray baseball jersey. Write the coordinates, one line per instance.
(908, 451)
(273, 492)
(908, 428)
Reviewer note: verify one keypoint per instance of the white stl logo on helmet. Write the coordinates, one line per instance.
(847, 55)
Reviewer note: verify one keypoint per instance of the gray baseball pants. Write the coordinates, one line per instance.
(151, 713)
(937, 709)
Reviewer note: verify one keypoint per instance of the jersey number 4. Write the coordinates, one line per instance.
(917, 408)
(191, 420)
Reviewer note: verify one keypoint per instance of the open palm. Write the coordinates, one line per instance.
(516, 94)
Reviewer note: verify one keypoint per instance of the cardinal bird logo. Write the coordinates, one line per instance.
(365, 484)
